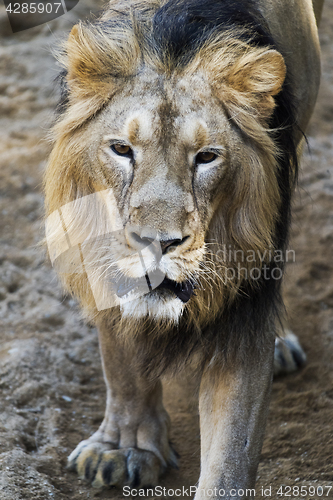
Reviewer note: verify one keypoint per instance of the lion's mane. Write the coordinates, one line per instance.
(174, 37)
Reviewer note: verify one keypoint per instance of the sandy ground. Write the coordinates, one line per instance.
(52, 391)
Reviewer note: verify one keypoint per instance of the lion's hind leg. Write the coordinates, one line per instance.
(288, 354)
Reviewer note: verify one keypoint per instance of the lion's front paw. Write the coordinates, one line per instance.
(102, 465)
(289, 355)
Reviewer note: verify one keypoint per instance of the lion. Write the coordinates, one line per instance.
(168, 195)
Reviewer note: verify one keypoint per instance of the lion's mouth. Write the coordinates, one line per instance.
(183, 291)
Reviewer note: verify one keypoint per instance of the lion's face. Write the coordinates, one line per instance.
(164, 147)
(188, 160)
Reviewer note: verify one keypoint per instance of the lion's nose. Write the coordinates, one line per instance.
(167, 245)
(139, 241)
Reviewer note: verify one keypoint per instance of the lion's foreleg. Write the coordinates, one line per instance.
(234, 400)
(131, 447)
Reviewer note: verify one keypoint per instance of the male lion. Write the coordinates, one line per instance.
(168, 199)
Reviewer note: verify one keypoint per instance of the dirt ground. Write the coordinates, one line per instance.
(52, 390)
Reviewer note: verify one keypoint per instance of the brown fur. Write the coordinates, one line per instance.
(242, 78)
(123, 89)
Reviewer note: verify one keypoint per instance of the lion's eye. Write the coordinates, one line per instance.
(122, 150)
(205, 157)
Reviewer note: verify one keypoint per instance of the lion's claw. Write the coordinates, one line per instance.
(102, 465)
(288, 355)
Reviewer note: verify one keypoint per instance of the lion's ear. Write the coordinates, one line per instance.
(98, 60)
(86, 68)
(258, 72)
(245, 79)
(252, 82)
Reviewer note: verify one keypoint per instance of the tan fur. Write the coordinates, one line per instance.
(123, 91)
(231, 70)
